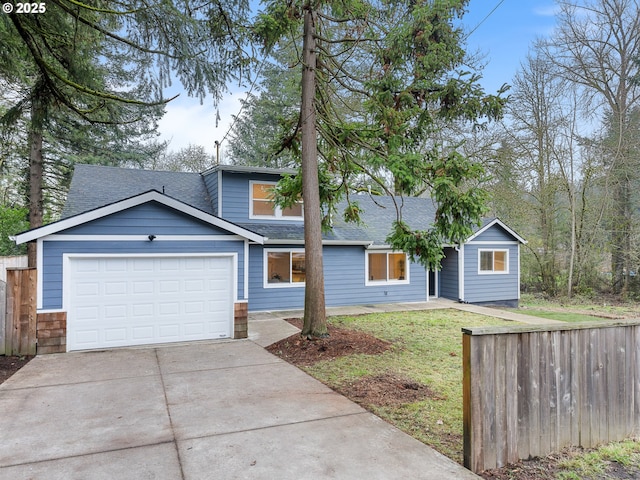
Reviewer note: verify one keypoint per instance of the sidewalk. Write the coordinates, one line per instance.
(266, 328)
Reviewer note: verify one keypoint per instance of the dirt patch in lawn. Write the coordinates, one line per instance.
(10, 365)
(386, 390)
(382, 390)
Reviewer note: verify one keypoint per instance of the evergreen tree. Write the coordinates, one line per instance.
(378, 79)
(100, 63)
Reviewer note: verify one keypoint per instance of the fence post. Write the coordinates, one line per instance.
(21, 311)
(3, 318)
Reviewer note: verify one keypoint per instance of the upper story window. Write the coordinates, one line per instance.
(386, 267)
(493, 261)
(263, 206)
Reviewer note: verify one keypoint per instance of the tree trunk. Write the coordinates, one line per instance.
(315, 321)
(36, 169)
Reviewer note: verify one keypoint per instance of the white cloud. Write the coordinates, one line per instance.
(186, 121)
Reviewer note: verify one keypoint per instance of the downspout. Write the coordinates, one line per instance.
(460, 250)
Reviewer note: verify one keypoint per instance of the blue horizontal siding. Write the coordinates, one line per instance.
(495, 234)
(236, 197)
(449, 275)
(146, 219)
(344, 270)
(489, 287)
(53, 250)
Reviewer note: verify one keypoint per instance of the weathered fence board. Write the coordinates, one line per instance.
(21, 312)
(529, 391)
(3, 317)
(18, 261)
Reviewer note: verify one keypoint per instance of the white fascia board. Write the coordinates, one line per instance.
(275, 241)
(497, 221)
(142, 238)
(134, 202)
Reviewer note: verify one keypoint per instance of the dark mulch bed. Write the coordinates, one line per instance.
(10, 365)
(341, 341)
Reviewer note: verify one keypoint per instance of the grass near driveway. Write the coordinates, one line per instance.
(427, 349)
(562, 316)
(578, 309)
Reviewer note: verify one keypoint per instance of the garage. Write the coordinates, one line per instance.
(119, 300)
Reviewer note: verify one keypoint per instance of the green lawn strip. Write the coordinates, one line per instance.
(600, 307)
(594, 464)
(427, 349)
(562, 316)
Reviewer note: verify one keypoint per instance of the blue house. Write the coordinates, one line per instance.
(143, 257)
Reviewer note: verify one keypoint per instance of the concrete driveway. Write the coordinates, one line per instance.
(212, 410)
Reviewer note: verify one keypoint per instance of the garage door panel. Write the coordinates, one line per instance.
(115, 334)
(115, 265)
(169, 286)
(142, 300)
(115, 288)
(169, 331)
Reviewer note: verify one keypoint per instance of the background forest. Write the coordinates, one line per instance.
(561, 163)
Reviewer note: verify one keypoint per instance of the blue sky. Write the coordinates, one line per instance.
(504, 37)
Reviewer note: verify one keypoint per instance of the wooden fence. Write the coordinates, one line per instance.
(20, 328)
(3, 313)
(18, 261)
(529, 391)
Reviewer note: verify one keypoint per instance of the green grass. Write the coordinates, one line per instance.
(594, 464)
(562, 316)
(603, 307)
(427, 349)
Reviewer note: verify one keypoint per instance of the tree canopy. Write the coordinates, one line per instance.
(89, 76)
(379, 79)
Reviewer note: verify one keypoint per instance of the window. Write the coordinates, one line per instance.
(386, 267)
(493, 261)
(262, 204)
(284, 268)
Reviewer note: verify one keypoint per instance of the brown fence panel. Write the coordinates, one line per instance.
(21, 312)
(529, 391)
(3, 317)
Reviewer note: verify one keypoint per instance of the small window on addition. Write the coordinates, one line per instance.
(493, 261)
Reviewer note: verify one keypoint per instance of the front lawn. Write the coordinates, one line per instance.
(416, 385)
(427, 350)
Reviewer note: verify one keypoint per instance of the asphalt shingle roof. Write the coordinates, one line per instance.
(94, 186)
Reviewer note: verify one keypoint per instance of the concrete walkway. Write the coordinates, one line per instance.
(266, 328)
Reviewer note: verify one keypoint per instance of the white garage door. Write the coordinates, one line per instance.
(120, 301)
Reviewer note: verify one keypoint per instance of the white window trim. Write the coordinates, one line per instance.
(277, 211)
(265, 268)
(375, 283)
(493, 272)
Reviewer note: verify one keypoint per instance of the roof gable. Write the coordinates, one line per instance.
(491, 223)
(151, 196)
